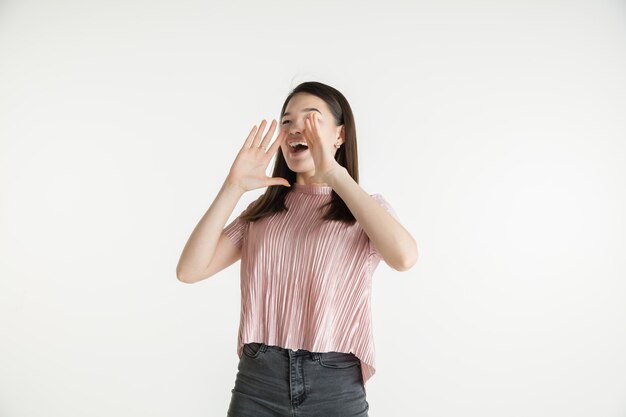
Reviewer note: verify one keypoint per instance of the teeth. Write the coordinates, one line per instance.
(293, 144)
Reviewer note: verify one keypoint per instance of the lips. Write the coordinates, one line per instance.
(293, 143)
(297, 148)
(297, 152)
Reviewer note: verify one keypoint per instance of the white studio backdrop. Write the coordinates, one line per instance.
(495, 129)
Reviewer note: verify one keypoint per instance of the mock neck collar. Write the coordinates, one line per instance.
(311, 189)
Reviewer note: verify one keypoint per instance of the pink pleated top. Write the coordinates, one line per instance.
(305, 281)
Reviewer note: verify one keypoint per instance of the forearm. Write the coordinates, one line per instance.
(395, 244)
(200, 246)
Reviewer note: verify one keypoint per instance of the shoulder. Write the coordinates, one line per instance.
(384, 203)
(380, 199)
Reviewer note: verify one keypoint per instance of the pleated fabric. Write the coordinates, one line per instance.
(305, 281)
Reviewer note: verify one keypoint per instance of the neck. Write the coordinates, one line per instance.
(311, 188)
(305, 179)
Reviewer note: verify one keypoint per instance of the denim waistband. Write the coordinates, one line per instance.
(291, 353)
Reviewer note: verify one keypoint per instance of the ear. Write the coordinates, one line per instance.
(342, 135)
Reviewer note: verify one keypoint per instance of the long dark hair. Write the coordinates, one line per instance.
(273, 200)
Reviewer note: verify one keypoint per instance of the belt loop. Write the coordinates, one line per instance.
(263, 347)
(315, 356)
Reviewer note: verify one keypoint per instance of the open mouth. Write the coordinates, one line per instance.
(297, 147)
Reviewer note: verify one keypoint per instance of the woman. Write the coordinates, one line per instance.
(308, 247)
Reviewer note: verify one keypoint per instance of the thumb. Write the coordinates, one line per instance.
(278, 181)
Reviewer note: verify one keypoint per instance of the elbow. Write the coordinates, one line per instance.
(408, 261)
(192, 278)
(183, 278)
(405, 265)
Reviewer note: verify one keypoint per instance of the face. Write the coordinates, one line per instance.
(298, 107)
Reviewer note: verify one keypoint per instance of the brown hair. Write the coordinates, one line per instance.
(273, 200)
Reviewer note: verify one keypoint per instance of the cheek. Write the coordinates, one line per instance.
(327, 136)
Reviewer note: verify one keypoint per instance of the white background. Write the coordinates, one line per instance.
(495, 129)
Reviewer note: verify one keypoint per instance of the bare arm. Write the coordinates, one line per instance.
(197, 261)
(208, 250)
(396, 246)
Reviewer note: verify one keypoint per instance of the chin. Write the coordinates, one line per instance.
(304, 165)
(301, 168)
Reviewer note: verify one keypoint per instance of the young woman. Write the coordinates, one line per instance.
(308, 248)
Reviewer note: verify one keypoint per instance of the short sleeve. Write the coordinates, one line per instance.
(385, 204)
(236, 229)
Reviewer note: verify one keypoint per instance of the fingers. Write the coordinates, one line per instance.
(311, 129)
(281, 136)
(308, 127)
(259, 133)
(254, 137)
(277, 181)
(315, 121)
(268, 136)
(255, 134)
(248, 141)
(306, 131)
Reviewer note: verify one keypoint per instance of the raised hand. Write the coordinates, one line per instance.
(321, 152)
(248, 169)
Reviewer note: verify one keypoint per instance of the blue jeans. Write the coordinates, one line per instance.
(276, 382)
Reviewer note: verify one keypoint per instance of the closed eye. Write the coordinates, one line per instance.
(286, 121)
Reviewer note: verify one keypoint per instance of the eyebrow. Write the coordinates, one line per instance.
(303, 110)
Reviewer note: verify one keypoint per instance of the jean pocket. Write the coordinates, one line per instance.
(252, 350)
(338, 360)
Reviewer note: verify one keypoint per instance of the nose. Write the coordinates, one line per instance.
(294, 127)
